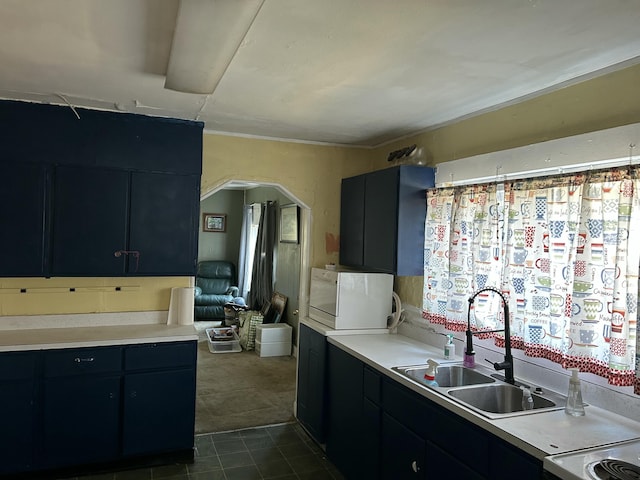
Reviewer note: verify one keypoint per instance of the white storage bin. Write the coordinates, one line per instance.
(274, 333)
(222, 346)
(273, 349)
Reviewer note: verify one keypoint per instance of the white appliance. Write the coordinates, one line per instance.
(350, 300)
(610, 462)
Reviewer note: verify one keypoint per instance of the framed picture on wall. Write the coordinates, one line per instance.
(214, 222)
(289, 223)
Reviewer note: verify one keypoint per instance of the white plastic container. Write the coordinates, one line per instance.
(273, 349)
(222, 346)
(274, 333)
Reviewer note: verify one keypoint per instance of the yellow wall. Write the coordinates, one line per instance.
(46, 296)
(605, 102)
(311, 173)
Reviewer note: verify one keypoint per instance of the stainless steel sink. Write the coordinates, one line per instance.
(447, 375)
(501, 399)
(481, 390)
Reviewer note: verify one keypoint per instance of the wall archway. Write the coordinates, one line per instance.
(301, 308)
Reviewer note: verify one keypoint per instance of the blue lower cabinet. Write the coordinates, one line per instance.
(18, 424)
(380, 429)
(311, 394)
(17, 411)
(76, 410)
(159, 412)
(80, 420)
(403, 452)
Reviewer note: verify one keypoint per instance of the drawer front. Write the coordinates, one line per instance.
(18, 365)
(160, 355)
(82, 361)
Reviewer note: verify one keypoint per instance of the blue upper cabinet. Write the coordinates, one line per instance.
(382, 218)
(105, 194)
(23, 200)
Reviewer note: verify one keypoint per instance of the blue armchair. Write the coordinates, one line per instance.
(215, 286)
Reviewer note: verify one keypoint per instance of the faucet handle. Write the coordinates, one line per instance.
(498, 365)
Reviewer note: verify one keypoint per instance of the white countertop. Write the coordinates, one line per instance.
(540, 434)
(49, 338)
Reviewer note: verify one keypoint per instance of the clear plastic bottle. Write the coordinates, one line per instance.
(527, 399)
(574, 406)
(449, 347)
(430, 374)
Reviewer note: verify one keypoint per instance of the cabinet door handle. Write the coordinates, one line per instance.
(81, 360)
(414, 466)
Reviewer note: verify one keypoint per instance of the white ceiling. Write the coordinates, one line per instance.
(357, 72)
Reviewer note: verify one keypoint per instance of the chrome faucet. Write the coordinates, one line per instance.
(507, 363)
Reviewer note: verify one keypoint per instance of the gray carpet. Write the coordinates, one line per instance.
(241, 390)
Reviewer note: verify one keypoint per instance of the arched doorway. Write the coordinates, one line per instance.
(292, 261)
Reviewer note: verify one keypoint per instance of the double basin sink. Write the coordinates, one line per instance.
(478, 389)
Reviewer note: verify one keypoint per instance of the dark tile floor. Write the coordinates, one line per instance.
(278, 452)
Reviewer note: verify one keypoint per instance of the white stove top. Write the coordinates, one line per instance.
(575, 465)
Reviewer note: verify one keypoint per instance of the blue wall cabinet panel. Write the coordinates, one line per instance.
(67, 209)
(164, 224)
(99, 138)
(81, 421)
(90, 217)
(311, 397)
(381, 220)
(352, 221)
(23, 200)
(382, 216)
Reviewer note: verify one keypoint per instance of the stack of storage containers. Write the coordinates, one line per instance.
(273, 339)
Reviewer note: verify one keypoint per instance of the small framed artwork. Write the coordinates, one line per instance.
(289, 223)
(214, 222)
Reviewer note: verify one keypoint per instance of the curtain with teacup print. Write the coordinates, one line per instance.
(564, 250)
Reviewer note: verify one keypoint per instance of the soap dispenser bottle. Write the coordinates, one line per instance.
(430, 374)
(574, 397)
(449, 347)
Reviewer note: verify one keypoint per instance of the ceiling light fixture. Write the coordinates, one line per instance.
(207, 35)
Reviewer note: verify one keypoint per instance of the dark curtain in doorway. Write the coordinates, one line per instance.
(262, 276)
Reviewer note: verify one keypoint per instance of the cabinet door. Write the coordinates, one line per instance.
(159, 411)
(442, 465)
(381, 220)
(509, 462)
(90, 217)
(22, 217)
(347, 442)
(164, 224)
(81, 422)
(311, 394)
(403, 452)
(352, 221)
(16, 441)
(17, 410)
